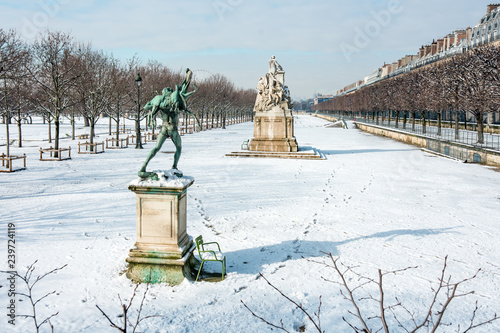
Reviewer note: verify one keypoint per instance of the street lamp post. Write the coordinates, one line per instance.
(138, 141)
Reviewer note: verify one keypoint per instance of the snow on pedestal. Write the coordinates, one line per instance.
(163, 250)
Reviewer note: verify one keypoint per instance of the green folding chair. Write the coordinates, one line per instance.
(207, 254)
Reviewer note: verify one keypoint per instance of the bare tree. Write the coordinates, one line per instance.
(13, 57)
(118, 93)
(479, 76)
(54, 71)
(22, 102)
(93, 85)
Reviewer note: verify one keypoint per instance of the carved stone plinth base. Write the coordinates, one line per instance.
(163, 250)
(273, 132)
(156, 267)
(273, 145)
(300, 155)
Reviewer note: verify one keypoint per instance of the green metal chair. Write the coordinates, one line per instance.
(206, 254)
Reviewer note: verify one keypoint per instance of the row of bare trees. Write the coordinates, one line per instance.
(467, 84)
(57, 76)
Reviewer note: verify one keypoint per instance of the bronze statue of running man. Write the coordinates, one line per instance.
(169, 104)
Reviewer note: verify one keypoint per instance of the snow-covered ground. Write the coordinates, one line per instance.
(374, 202)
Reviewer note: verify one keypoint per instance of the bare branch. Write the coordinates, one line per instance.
(264, 320)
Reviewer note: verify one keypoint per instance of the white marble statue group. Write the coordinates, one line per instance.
(272, 90)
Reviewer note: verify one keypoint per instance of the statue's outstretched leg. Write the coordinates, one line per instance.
(176, 139)
(161, 139)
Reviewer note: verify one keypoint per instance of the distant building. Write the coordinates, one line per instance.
(373, 77)
(322, 98)
(487, 29)
(460, 41)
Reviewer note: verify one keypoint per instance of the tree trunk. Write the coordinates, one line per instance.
(8, 139)
(92, 133)
(109, 127)
(118, 122)
(56, 135)
(424, 122)
(6, 117)
(86, 122)
(413, 114)
(479, 121)
(72, 121)
(19, 133)
(397, 119)
(439, 123)
(117, 127)
(405, 119)
(457, 130)
(50, 128)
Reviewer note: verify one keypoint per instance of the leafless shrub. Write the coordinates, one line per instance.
(127, 323)
(314, 318)
(27, 278)
(432, 319)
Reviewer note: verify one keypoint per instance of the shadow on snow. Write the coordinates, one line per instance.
(254, 260)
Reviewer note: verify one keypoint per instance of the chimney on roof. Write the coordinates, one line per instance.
(491, 8)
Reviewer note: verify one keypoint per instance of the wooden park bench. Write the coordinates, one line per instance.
(83, 136)
(55, 154)
(206, 254)
(91, 148)
(116, 144)
(7, 162)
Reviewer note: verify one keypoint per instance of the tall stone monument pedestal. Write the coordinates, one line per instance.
(273, 132)
(163, 250)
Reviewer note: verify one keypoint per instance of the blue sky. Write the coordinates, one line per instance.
(322, 45)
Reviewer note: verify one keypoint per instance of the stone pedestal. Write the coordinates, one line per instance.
(163, 250)
(273, 132)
